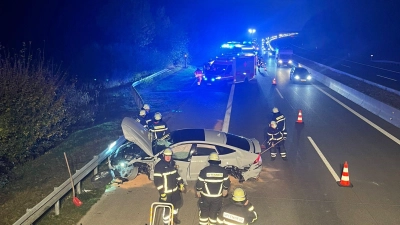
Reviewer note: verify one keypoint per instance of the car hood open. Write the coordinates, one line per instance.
(136, 133)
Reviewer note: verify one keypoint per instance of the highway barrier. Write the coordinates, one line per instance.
(384, 111)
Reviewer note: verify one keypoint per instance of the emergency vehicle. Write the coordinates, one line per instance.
(238, 68)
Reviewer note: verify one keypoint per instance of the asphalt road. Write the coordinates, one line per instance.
(373, 69)
(302, 190)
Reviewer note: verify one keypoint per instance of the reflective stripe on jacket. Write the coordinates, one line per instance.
(212, 180)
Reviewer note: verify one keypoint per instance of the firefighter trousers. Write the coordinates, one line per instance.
(209, 209)
(280, 147)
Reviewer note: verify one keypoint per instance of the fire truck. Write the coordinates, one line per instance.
(232, 68)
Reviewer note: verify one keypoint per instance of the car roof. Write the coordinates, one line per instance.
(210, 136)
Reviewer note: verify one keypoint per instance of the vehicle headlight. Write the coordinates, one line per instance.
(290, 61)
(296, 77)
(280, 61)
(309, 77)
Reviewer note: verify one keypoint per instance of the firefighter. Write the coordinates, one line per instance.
(199, 75)
(142, 118)
(280, 120)
(169, 184)
(149, 115)
(157, 127)
(239, 211)
(275, 137)
(212, 184)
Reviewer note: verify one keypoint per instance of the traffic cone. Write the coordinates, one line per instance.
(274, 81)
(300, 117)
(345, 180)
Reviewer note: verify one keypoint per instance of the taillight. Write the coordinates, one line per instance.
(258, 159)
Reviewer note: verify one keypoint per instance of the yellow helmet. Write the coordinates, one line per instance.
(157, 116)
(168, 151)
(213, 157)
(239, 195)
(146, 106)
(275, 110)
(142, 112)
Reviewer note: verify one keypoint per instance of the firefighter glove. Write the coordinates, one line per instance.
(163, 197)
(182, 187)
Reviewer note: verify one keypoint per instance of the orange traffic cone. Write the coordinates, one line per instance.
(274, 81)
(345, 180)
(300, 117)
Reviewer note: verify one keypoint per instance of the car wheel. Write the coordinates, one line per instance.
(134, 173)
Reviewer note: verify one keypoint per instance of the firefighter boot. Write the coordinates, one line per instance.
(176, 220)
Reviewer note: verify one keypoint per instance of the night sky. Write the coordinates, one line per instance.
(69, 25)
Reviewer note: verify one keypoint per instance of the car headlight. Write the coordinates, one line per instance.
(296, 77)
(309, 77)
(290, 61)
(280, 61)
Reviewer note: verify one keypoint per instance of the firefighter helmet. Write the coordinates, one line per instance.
(168, 151)
(213, 157)
(273, 124)
(157, 116)
(142, 112)
(146, 106)
(239, 195)
(275, 110)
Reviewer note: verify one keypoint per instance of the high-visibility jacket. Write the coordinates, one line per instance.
(236, 213)
(158, 128)
(166, 177)
(274, 135)
(280, 120)
(212, 180)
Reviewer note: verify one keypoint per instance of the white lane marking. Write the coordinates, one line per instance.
(225, 126)
(387, 134)
(345, 65)
(279, 92)
(335, 176)
(386, 77)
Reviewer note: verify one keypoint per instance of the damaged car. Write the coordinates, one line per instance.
(135, 153)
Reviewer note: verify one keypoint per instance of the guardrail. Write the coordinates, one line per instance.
(53, 199)
(384, 111)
